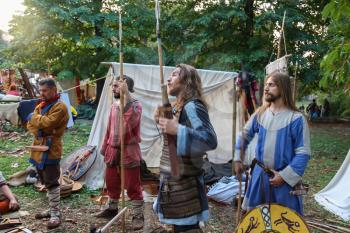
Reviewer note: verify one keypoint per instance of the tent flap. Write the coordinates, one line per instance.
(335, 197)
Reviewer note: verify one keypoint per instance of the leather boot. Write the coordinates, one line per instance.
(54, 203)
(107, 213)
(137, 214)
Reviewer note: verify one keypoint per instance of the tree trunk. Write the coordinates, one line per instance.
(249, 11)
(99, 87)
(98, 32)
(27, 84)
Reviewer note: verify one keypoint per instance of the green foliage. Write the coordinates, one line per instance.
(336, 63)
(340, 104)
(3, 45)
(76, 36)
(338, 99)
(221, 35)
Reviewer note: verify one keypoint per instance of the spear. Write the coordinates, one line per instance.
(121, 121)
(239, 176)
(234, 119)
(169, 141)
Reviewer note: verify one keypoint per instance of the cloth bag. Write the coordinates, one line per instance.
(225, 190)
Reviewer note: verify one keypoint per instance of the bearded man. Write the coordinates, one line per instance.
(47, 124)
(283, 146)
(132, 153)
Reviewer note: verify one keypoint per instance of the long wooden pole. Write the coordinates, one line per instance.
(295, 83)
(241, 129)
(110, 223)
(121, 126)
(169, 141)
(281, 35)
(234, 126)
(159, 42)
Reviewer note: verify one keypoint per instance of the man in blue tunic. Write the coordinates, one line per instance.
(182, 201)
(283, 146)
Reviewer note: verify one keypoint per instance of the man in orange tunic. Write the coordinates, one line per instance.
(47, 124)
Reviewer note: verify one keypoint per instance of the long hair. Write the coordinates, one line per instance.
(282, 81)
(192, 86)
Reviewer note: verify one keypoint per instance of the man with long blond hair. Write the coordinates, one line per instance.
(283, 147)
(182, 201)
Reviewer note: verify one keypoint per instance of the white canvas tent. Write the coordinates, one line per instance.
(218, 90)
(335, 197)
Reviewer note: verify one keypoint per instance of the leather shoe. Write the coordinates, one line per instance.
(107, 213)
(53, 223)
(137, 223)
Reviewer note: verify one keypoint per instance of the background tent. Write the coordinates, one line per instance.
(218, 90)
(335, 197)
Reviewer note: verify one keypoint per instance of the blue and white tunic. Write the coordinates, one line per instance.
(195, 136)
(283, 145)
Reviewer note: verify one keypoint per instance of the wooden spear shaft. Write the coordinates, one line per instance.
(295, 83)
(121, 122)
(234, 119)
(159, 42)
(241, 127)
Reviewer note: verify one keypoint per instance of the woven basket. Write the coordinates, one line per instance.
(66, 186)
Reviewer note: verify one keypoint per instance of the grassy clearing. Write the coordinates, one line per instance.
(12, 162)
(329, 146)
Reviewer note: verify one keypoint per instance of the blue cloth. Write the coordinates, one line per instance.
(283, 145)
(25, 108)
(195, 137)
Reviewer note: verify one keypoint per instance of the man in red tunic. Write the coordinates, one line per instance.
(132, 153)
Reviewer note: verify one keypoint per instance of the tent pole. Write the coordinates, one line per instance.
(281, 34)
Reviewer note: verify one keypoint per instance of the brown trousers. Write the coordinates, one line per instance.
(50, 176)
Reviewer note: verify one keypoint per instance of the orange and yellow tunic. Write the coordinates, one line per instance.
(47, 126)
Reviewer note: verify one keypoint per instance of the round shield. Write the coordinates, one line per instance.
(79, 162)
(272, 218)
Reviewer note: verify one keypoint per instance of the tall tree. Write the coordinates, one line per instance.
(336, 64)
(3, 46)
(77, 35)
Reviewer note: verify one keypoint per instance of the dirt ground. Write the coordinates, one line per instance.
(76, 220)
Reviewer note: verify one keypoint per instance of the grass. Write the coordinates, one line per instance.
(73, 139)
(329, 146)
